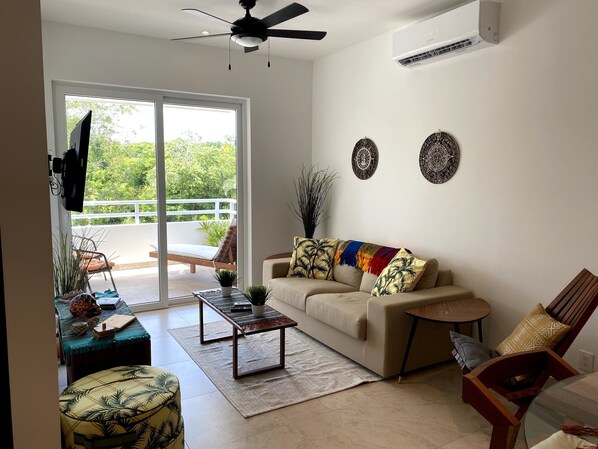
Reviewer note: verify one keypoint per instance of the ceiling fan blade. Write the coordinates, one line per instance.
(250, 49)
(200, 37)
(203, 14)
(297, 34)
(284, 14)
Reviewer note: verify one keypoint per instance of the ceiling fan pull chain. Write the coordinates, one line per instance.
(268, 53)
(229, 66)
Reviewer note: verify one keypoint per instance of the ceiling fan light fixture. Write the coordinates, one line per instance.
(247, 41)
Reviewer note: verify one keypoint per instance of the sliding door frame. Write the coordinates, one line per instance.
(61, 89)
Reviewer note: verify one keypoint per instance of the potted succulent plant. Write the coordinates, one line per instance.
(226, 279)
(257, 296)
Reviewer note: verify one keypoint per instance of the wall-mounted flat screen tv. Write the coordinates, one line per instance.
(74, 166)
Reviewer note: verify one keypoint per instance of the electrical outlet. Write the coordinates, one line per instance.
(586, 361)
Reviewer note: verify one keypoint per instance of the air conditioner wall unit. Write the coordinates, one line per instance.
(463, 29)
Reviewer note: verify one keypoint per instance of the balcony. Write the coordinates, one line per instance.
(127, 231)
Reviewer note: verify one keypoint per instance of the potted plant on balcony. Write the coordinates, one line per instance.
(257, 296)
(226, 279)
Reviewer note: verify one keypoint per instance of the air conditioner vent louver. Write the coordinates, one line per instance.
(463, 29)
(438, 51)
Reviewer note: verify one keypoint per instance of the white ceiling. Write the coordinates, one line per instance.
(347, 22)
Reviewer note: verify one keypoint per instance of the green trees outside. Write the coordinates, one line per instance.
(122, 168)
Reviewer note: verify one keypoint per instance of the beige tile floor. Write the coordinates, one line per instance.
(424, 411)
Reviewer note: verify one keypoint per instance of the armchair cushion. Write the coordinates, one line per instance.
(470, 352)
(537, 330)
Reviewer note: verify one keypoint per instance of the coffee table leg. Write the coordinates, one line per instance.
(282, 345)
(237, 375)
(201, 335)
(235, 354)
(408, 348)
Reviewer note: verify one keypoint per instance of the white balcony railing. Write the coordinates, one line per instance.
(131, 232)
(137, 213)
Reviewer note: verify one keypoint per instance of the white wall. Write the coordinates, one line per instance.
(280, 105)
(26, 238)
(519, 218)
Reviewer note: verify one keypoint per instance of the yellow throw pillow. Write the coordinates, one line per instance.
(313, 258)
(400, 275)
(537, 330)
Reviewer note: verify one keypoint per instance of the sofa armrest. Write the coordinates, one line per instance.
(275, 268)
(388, 326)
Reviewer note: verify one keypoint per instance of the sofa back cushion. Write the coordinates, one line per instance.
(367, 282)
(348, 275)
(445, 277)
(428, 279)
(440, 278)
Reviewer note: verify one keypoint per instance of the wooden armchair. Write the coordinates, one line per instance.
(499, 375)
(573, 306)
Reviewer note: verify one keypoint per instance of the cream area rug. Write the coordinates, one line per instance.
(311, 368)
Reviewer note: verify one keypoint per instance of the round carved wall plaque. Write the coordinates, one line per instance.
(364, 158)
(439, 157)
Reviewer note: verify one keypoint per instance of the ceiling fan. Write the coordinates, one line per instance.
(250, 31)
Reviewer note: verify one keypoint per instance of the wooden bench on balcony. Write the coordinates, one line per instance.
(223, 257)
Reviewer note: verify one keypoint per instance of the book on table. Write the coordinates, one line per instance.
(119, 321)
(109, 303)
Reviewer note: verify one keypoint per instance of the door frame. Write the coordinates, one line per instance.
(62, 218)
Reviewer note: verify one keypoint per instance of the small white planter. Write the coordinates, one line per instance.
(226, 291)
(258, 311)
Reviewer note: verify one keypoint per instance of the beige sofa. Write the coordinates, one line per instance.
(373, 331)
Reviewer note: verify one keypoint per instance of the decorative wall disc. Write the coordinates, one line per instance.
(439, 157)
(364, 158)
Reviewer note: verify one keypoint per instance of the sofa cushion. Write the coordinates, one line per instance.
(348, 275)
(312, 258)
(367, 282)
(400, 275)
(294, 291)
(537, 330)
(428, 279)
(346, 312)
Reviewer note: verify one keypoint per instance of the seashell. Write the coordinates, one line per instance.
(80, 328)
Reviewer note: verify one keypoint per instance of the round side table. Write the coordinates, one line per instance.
(460, 311)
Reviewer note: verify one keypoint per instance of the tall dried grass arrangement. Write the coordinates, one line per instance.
(70, 263)
(312, 187)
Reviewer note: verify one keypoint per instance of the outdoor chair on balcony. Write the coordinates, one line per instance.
(218, 257)
(95, 262)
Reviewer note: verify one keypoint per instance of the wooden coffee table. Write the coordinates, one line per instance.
(244, 323)
(460, 311)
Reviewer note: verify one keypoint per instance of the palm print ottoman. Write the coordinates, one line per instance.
(132, 406)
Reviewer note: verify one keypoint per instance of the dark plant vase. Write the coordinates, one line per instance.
(310, 229)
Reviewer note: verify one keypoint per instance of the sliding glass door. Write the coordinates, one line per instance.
(161, 187)
(200, 159)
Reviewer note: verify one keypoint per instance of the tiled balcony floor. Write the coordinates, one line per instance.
(140, 285)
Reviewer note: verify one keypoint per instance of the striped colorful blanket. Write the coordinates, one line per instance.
(370, 258)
